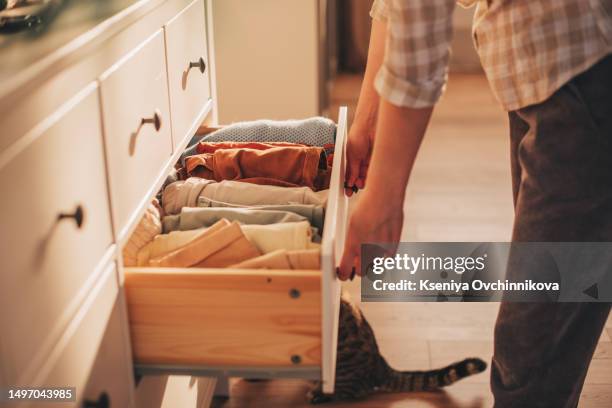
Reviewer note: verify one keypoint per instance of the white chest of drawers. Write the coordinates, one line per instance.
(89, 132)
(136, 117)
(92, 114)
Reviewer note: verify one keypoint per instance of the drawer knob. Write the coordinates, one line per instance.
(103, 401)
(200, 64)
(155, 120)
(78, 216)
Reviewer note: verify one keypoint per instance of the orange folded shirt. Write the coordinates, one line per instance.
(211, 147)
(287, 166)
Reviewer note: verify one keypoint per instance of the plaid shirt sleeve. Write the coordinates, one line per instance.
(380, 10)
(415, 66)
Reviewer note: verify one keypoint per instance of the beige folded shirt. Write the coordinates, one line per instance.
(283, 259)
(147, 229)
(165, 243)
(289, 236)
(189, 248)
(221, 245)
(185, 193)
(266, 238)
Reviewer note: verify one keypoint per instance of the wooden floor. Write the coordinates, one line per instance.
(460, 191)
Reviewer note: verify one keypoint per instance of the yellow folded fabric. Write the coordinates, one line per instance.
(273, 260)
(165, 243)
(146, 230)
(225, 243)
(289, 236)
(306, 259)
(283, 259)
(238, 250)
(221, 245)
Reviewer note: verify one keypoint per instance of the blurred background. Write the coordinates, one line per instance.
(298, 52)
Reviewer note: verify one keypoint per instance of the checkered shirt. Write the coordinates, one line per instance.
(528, 48)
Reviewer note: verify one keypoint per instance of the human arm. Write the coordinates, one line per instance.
(361, 134)
(410, 82)
(378, 215)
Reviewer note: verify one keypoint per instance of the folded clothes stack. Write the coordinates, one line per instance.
(252, 196)
(225, 243)
(280, 164)
(150, 226)
(218, 246)
(315, 131)
(187, 193)
(191, 218)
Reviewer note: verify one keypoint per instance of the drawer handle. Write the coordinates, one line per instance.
(103, 401)
(78, 216)
(155, 120)
(200, 64)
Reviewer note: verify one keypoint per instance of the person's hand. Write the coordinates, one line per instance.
(374, 219)
(358, 151)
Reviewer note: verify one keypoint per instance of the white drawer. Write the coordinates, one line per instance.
(111, 374)
(48, 262)
(136, 127)
(244, 322)
(188, 79)
(76, 355)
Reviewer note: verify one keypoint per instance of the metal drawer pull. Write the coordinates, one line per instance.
(155, 120)
(200, 64)
(78, 216)
(102, 402)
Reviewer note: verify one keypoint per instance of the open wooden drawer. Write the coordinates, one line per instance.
(248, 323)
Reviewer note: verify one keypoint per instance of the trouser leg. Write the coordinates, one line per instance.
(562, 183)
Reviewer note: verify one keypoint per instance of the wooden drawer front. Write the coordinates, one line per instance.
(134, 90)
(189, 86)
(49, 263)
(74, 358)
(224, 317)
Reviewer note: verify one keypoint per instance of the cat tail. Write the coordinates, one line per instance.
(407, 381)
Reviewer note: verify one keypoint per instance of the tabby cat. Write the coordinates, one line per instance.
(361, 370)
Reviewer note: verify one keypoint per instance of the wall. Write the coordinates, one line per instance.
(267, 59)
